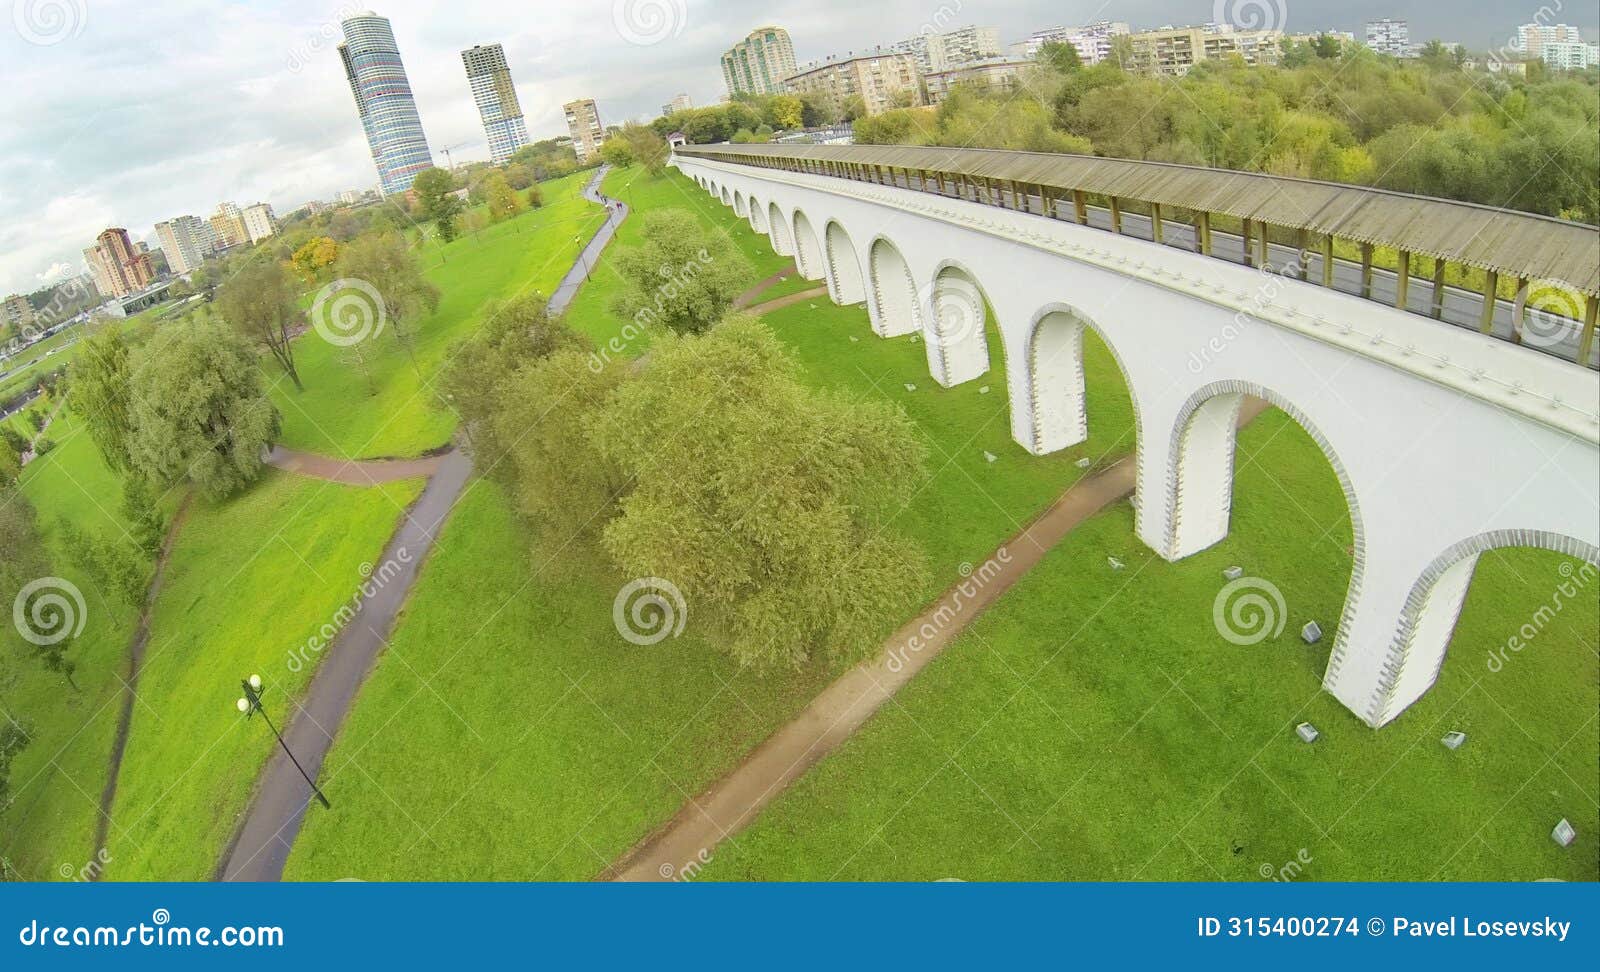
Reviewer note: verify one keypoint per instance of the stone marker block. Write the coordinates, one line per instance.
(989, 456)
(1564, 834)
(983, 390)
(1311, 633)
(910, 386)
(1453, 739)
(854, 339)
(1115, 563)
(1084, 463)
(1233, 573)
(1307, 732)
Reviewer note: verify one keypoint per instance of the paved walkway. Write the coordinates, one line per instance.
(352, 472)
(788, 300)
(616, 212)
(845, 705)
(748, 297)
(272, 821)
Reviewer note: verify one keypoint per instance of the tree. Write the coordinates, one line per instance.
(616, 151)
(200, 411)
(48, 625)
(1060, 57)
(436, 201)
(115, 567)
(145, 522)
(679, 276)
(315, 255)
(100, 380)
(771, 515)
(502, 199)
(10, 463)
(785, 111)
(383, 261)
(535, 197)
(513, 335)
(261, 304)
(14, 738)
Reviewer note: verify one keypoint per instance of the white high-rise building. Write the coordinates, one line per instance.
(1531, 38)
(259, 222)
(186, 241)
(1570, 55)
(941, 52)
(1392, 37)
(496, 97)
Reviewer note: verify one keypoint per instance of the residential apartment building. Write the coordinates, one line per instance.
(997, 74)
(1570, 55)
(496, 97)
(118, 267)
(17, 312)
(678, 103)
(259, 222)
(882, 80)
(1091, 41)
(759, 63)
(186, 241)
(384, 102)
(583, 122)
(941, 52)
(1173, 51)
(227, 226)
(1392, 37)
(1531, 38)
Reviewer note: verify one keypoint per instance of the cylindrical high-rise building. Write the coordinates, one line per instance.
(383, 99)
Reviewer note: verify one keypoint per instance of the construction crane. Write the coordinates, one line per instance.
(449, 162)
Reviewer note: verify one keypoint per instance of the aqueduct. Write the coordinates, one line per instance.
(1457, 422)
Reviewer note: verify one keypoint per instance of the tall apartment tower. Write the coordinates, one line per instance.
(186, 241)
(119, 269)
(384, 102)
(760, 63)
(1392, 37)
(497, 100)
(583, 121)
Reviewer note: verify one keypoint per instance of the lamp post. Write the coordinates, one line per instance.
(250, 704)
(583, 259)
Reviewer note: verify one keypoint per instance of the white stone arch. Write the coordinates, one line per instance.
(758, 215)
(807, 249)
(1057, 396)
(782, 243)
(738, 203)
(1428, 620)
(954, 324)
(727, 197)
(892, 297)
(845, 282)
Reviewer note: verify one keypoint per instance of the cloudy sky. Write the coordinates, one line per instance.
(127, 113)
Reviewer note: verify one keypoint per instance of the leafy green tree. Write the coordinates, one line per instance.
(24, 562)
(1060, 57)
(262, 304)
(786, 111)
(200, 411)
(679, 276)
(437, 201)
(514, 334)
(101, 381)
(503, 201)
(783, 548)
(535, 197)
(139, 508)
(384, 261)
(14, 738)
(114, 566)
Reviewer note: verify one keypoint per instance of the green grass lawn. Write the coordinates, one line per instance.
(1094, 726)
(249, 580)
(56, 780)
(340, 414)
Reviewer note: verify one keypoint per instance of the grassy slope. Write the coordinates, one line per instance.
(56, 781)
(1051, 744)
(338, 415)
(514, 773)
(249, 580)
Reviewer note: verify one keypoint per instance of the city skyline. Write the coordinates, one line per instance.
(244, 103)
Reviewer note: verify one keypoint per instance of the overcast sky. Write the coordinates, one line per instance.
(127, 113)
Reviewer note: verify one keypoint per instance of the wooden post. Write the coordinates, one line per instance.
(1155, 222)
(1263, 257)
(1080, 207)
(1519, 310)
(1591, 312)
(1045, 202)
(1436, 310)
(1116, 215)
(1402, 280)
(1305, 253)
(1491, 289)
(1202, 231)
(1249, 256)
(1366, 270)
(1327, 260)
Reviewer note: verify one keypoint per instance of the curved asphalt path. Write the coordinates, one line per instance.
(261, 844)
